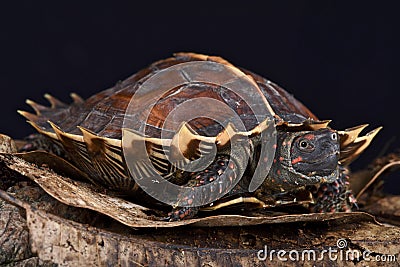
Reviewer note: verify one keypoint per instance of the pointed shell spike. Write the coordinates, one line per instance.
(61, 134)
(55, 103)
(186, 141)
(354, 149)
(226, 135)
(76, 98)
(134, 144)
(37, 107)
(29, 116)
(90, 134)
(316, 125)
(261, 127)
(351, 134)
(41, 131)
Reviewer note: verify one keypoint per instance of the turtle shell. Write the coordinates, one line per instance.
(90, 131)
(103, 113)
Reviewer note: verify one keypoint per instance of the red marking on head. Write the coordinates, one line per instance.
(280, 158)
(296, 160)
(309, 136)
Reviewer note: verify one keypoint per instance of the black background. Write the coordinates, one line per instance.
(340, 58)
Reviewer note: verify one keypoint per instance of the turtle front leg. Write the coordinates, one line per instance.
(220, 169)
(334, 197)
(221, 175)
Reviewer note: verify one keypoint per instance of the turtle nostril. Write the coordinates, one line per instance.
(326, 145)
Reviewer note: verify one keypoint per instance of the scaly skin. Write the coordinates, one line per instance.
(334, 197)
(41, 142)
(219, 167)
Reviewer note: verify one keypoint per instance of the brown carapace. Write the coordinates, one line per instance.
(309, 167)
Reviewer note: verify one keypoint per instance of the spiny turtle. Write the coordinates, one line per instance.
(308, 165)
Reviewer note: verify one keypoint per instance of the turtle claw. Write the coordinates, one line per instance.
(182, 213)
(166, 219)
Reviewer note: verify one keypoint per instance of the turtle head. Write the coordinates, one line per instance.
(315, 153)
(305, 158)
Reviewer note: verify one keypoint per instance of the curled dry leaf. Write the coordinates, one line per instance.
(70, 243)
(85, 195)
(387, 209)
(368, 179)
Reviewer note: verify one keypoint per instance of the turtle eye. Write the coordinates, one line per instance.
(334, 136)
(305, 145)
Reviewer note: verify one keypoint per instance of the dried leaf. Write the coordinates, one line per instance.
(7, 144)
(84, 195)
(387, 209)
(51, 161)
(69, 243)
(14, 236)
(367, 179)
